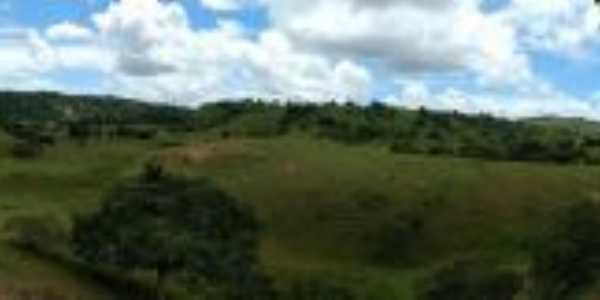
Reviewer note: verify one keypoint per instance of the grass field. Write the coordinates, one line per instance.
(322, 205)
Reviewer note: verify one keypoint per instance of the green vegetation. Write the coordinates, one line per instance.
(56, 108)
(567, 260)
(170, 225)
(409, 132)
(471, 279)
(341, 216)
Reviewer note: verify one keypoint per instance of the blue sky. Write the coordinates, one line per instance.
(508, 57)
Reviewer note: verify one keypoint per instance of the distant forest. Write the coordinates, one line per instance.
(28, 116)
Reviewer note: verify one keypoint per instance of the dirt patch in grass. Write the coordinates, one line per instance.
(228, 152)
(192, 154)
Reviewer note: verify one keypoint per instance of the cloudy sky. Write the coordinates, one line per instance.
(507, 57)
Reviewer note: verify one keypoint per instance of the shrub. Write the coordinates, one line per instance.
(139, 132)
(146, 133)
(169, 225)
(470, 279)
(566, 258)
(44, 234)
(46, 139)
(80, 132)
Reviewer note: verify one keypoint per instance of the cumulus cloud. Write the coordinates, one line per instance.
(68, 31)
(407, 35)
(139, 31)
(550, 102)
(24, 51)
(563, 26)
(156, 48)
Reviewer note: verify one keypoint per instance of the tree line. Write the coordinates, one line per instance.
(419, 131)
(43, 116)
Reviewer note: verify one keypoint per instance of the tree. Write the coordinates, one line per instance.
(566, 259)
(170, 224)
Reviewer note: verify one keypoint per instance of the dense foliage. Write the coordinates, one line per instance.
(31, 115)
(170, 225)
(566, 259)
(405, 131)
(55, 107)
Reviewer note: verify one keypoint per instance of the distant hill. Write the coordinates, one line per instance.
(404, 131)
(581, 124)
(51, 106)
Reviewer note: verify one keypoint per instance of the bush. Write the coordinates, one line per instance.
(146, 133)
(170, 225)
(44, 234)
(27, 149)
(80, 132)
(47, 139)
(470, 279)
(139, 132)
(566, 259)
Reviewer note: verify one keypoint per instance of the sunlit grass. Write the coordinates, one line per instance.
(307, 192)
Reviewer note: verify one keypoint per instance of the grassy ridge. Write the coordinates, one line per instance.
(322, 203)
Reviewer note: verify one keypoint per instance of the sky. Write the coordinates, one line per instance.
(511, 58)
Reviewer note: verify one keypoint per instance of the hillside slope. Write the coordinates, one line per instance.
(324, 205)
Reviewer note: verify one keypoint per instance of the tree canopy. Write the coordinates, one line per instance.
(170, 224)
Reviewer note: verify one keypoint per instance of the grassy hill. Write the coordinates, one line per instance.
(325, 206)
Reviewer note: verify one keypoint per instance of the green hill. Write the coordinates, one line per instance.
(361, 201)
(324, 206)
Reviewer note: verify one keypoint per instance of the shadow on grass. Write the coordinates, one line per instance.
(119, 285)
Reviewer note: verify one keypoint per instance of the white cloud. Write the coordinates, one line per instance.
(139, 32)
(67, 31)
(560, 26)
(24, 51)
(225, 5)
(541, 103)
(155, 48)
(352, 80)
(407, 36)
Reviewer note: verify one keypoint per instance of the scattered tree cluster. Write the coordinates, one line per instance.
(405, 131)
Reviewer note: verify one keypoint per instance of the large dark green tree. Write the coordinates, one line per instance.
(169, 224)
